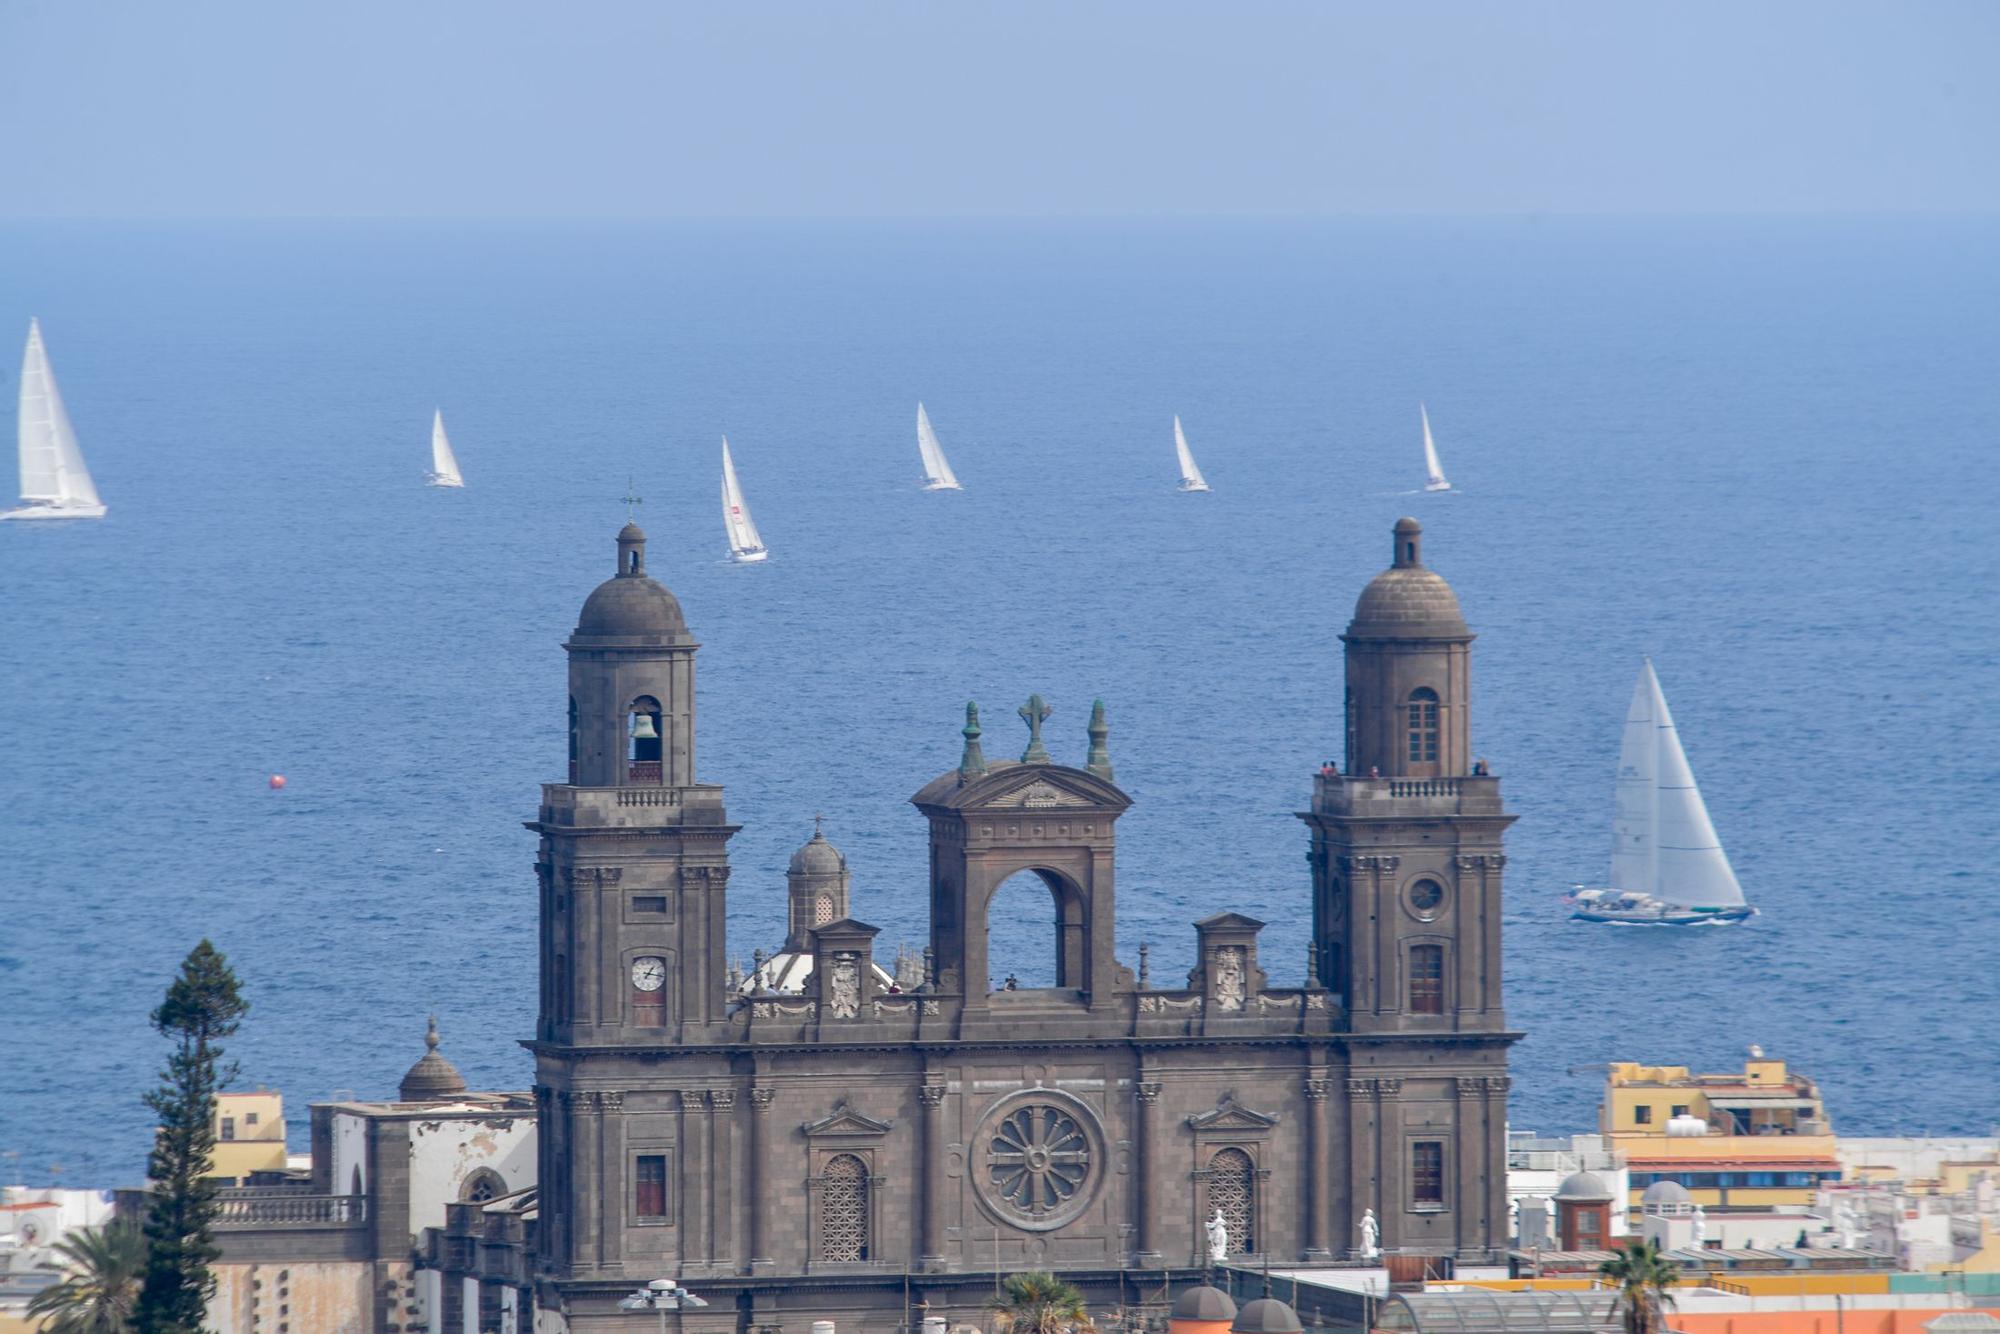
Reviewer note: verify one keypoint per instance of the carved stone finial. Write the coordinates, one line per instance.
(1099, 759)
(1034, 713)
(1312, 966)
(971, 764)
(1145, 978)
(431, 1034)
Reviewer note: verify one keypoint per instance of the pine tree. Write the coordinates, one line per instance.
(201, 1008)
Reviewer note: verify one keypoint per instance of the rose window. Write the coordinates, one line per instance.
(1038, 1159)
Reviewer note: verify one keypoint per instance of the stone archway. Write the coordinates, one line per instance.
(1054, 928)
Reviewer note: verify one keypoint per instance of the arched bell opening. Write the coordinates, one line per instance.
(644, 742)
(1035, 924)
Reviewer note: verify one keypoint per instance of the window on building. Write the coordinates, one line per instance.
(647, 741)
(483, 1185)
(649, 1186)
(1680, 1109)
(249, 1118)
(1423, 726)
(229, 1127)
(572, 738)
(654, 903)
(1352, 731)
(843, 1209)
(1426, 979)
(1232, 1189)
(1642, 1116)
(1427, 1173)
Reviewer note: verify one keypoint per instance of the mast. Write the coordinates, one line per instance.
(1635, 830)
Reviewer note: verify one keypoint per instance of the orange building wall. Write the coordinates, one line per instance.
(1908, 1321)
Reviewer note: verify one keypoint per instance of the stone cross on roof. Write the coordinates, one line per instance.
(1035, 713)
(632, 499)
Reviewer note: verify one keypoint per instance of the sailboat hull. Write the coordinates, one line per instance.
(1194, 486)
(55, 512)
(1437, 486)
(942, 486)
(1614, 908)
(749, 557)
(435, 479)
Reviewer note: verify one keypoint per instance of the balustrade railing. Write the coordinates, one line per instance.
(642, 771)
(281, 1208)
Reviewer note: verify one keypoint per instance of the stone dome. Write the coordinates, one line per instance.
(1266, 1315)
(1584, 1187)
(1662, 1193)
(432, 1078)
(817, 857)
(1406, 600)
(630, 605)
(1204, 1303)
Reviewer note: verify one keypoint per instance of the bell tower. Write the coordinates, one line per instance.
(633, 868)
(1406, 844)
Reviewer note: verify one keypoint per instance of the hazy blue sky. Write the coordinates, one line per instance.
(636, 108)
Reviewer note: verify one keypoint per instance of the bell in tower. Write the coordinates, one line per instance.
(631, 681)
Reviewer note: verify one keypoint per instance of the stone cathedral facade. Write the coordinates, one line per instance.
(855, 1148)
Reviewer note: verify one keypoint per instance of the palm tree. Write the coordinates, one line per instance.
(1642, 1276)
(1035, 1303)
(102, 1270)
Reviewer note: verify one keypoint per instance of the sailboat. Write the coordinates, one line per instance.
(1667, 866)
(54, 482)
(744, 543)
(1434, 479)
(938, 475)
(1191, 478)
(444, 464)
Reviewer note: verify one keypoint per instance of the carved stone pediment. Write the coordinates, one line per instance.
(846, 1123)
(1230, 1117)
(1040, 794)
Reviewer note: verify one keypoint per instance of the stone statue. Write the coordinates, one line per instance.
(1843, 1223)
(1371, 1236)
(1700, 1225)
(1229, 987)
(844, 991)
(1218, 1239)
(1514, 1220)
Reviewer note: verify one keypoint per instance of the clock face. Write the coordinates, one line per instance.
(649, 973)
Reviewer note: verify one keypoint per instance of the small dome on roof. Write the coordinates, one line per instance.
(1202, 1302)
(1665, 1192)
(817, 856)
(630, 605)
(1406, 600)
(1267, 1315)
(432, 1078)
(1583, 1187)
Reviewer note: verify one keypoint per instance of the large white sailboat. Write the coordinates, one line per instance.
(1434, 479)
(744, 543)
(54, 482)
(444, 464)
(1191, 478)
(938, 475)
(1667, 866)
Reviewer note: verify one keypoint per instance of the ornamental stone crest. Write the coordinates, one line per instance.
(1230, 985)
(844, 986)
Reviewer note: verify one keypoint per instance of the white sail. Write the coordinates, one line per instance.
(1191, 478)
(53, 477)
(938, 475)
(744, 543)
(444, 463)
(1663, 842)
(1434, 479)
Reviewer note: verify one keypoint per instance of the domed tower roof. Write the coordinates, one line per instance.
(1407, 601)
(631, 606)
(1203, 1303)
(816, 856)
(1266, 1315)
(432, 1078)
(1583, 1188)
(1662, 1194)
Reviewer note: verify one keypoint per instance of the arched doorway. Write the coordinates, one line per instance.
(1034, 930)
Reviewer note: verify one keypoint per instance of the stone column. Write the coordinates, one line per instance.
(1495, 1167)
(1361, 1183)
(1392, 1168)
(1149, 1151)
(1468, 1147)
(722, 1194)
(931, 1204)
(611, 1171)
(1490, 896)
(586, 1184)
(755, 1180)
(692, 1186)
(1318, 1187)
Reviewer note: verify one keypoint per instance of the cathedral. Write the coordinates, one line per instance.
(843, 1137)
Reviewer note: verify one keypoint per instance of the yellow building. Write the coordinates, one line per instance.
(249, 1135)
(1755, 1141)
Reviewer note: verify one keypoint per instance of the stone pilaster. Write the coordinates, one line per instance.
(1148, 1151)
(694, 1184)
(610, 1117)
(931, 1206)
(1319, 1190)
(756, 1182)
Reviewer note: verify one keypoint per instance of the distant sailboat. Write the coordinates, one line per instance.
(54, 482)
(1191, 478)
(1434, 479)
(444, 464)
(938, 475)
(744, 543)
(1667, 866)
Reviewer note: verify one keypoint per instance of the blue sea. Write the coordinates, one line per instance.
(1760, 451)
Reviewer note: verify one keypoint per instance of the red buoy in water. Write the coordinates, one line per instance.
(277, 781)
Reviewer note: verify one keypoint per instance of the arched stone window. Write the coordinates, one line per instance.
(1426, 979)
(823, 910)
(646, 740)
(483, 1185)
(1423, 726)
(1232, 1189)
(843, 1207)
